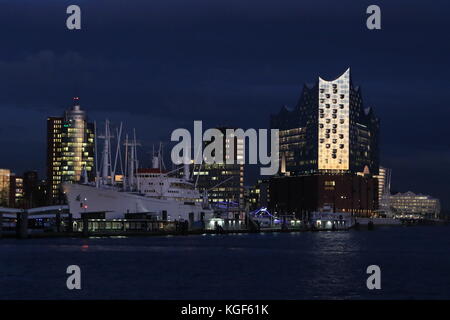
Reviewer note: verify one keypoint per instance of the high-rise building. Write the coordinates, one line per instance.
(70, 149)
(18, 192)
(41, 198)
(5, 187)
(31, 197)
(328, 151)
(384, 188)
(329, 130)
(384, 181)
(224, 182)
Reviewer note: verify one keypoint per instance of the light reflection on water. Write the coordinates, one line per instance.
(310, 265)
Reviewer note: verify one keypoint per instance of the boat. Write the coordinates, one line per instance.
(149, 193)
(327, 219)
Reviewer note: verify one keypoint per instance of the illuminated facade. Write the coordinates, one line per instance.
(18, 192)
(5, 187)
(334, 115)
(329, 131)
(415, 205)
(384, 184)
(384, 187)
(71, 143)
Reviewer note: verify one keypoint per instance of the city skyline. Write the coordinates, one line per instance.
(226, 77)
(224, 158)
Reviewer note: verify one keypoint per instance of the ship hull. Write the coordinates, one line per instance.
(116, 204)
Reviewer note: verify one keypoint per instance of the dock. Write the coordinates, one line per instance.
(56, 221)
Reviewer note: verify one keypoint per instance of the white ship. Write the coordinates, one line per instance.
(152, 192)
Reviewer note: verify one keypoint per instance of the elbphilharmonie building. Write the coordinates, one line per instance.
(328, 151)
(329, 130)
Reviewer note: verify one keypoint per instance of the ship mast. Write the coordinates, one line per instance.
(131, 163)
(106, 156)
(118, 154)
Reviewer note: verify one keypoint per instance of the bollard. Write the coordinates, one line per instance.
(22, 225)
(85, 225)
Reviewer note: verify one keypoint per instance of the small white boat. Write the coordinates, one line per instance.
(326, 219)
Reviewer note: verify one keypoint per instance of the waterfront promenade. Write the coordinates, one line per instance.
(58, 223)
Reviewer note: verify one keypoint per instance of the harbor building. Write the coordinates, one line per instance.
(224, 182)
(330, 136)
(301, 195)
(70, 150)
(413, 205)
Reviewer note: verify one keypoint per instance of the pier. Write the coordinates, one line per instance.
(56, 221)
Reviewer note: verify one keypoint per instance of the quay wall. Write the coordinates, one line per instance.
(379, 221)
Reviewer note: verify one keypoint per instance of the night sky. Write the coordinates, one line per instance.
(160, 64)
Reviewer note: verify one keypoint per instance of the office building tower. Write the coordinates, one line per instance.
(18, 192)
(71, 144)
(224, 182)
(31, 197)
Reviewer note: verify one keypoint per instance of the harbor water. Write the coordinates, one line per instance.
(414, 262)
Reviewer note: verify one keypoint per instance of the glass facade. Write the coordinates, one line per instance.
(71, 143)
(334, 116)
(328, 131)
